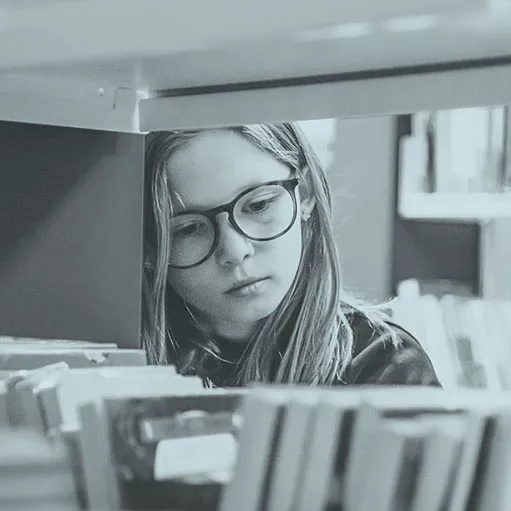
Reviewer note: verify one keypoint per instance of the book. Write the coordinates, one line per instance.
(505, 177)
(440, 455)
(34, 473)
(61, 394)
(119, 460)
(338, 459)
(322, 474)
(394, 446)
(435, 341)
(4, 420)
(360, 454)
(262, 416)
(17, 358)
(15, 408)
(36, 343)
(293, 452)
(495, 493)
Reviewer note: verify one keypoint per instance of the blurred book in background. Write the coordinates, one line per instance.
(467, 338)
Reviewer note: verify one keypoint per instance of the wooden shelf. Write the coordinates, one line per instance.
(455, 207)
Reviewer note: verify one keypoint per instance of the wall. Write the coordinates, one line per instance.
(362, 177)
(70, 233)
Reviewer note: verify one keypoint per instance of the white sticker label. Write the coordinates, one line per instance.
(183, 457)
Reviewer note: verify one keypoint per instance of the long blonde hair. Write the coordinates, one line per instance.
(311, 322)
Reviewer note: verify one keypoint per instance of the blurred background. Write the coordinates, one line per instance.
(422, 212)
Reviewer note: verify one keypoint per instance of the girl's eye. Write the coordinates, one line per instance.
(187, 229)
(260, 205)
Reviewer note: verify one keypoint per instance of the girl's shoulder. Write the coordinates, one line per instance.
(377, 360)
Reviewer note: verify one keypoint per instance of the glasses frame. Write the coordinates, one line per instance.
(289, 184)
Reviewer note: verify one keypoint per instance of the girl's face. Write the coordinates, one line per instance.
(212, 170)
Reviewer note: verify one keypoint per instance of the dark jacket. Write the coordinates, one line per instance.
(375, 360)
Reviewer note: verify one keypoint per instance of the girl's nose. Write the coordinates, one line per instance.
(233, 247)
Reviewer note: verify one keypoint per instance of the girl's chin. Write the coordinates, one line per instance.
(242, 325)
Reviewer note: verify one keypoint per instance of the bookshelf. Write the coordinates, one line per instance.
(453, 173)
(187, 70)
(454, 169)
(99, 461)
(455, 207)
(454, 166)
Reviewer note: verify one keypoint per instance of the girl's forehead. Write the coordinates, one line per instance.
(216, 166)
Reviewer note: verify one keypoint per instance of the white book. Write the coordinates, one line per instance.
(393, 445)
(496, 484)
(4, 419)
(440, 455)
(99, 476)
(435, 341)
(498, 321)
(462, 150)
(442, 162)
(448, 305)
(318, 474)
(492, 178)
(31, 414)
(13, 358)
(414, 156)
(260, 412)
(298, 441)
(470, 453)
(506, 170)
(484, 346)
(470, 128)
(468, 330)
(366, 425)
(406, 310)
(15, 412)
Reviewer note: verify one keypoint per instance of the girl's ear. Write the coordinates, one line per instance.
(307, 200)
(306, 207)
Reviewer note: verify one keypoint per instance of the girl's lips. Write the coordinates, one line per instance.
(247, 288)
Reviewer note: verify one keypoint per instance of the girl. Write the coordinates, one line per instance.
(242, 281)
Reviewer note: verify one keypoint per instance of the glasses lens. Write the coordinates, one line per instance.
(192, 239)
(265, 212)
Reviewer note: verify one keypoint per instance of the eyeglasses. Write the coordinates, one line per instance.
(261, 213)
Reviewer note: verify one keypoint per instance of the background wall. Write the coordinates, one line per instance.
(70, 233)
(362, 177)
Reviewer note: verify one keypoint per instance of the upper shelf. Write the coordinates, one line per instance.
(129, 66)
(161, 44)
(455, 207)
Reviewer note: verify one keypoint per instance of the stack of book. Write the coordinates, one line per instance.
(35, 474)
(136, 436)
(30, 353)
(459, 151)
(385, 449)
(146, 438)
(467, 338)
